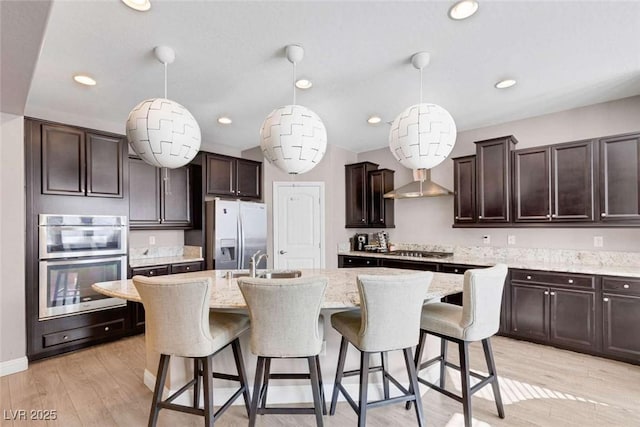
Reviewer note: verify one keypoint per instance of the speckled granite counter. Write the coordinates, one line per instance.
(342, 291)
(523, 263)
(148, 257)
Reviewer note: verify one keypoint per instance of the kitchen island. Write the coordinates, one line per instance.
(341, 294)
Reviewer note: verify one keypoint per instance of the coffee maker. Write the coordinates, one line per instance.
(360, 241)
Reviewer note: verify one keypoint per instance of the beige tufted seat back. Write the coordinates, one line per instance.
(284, 315)
(391, 307)
(177, 315)
(481, 302)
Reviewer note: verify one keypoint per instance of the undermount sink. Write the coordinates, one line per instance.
(272, 274)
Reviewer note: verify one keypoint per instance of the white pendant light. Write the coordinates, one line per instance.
(293, 138)
(423, 135)
(162, 132)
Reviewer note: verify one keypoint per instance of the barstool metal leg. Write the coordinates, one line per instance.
(339, 373)
(465, 380)
(161, 376)
(315, 388)
(196, 387)
(322, 398)
(265, 383)
(385, 381)
(418, 357)
(443, 362)
(242, 374)
(208, 390)
(491, 367)
(256, 391)
(364, 384)
(414, 387)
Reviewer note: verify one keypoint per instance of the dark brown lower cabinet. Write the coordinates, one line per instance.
(345, 261)
(621, 317)
(529, 312)
(573, 318)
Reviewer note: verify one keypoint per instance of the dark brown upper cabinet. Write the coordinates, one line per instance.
(464, 182)
(233, 177)
(80, 163)
(493, 174)
(554, 183)
(620, 178)
(365, 186)
(381, 213)
(156, 202)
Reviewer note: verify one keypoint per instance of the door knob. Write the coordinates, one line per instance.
(282, 252)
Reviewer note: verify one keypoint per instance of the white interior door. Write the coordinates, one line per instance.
(298, 225)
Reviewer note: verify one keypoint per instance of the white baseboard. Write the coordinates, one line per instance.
(293, 393)
(12, 366)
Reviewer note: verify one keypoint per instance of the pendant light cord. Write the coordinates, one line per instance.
(421, 91)
(165, 80)
(294, 83)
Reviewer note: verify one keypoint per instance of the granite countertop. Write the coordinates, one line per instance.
(151, 256)
(149, 262)
(602, 270)
(342, 291)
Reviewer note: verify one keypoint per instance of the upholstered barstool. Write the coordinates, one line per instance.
(179, 323)
(388, 320)
(477, 320)
(285, 319)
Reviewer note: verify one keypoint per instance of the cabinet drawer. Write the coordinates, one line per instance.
(621, 284)
(187, 267)
(409, 265)
(455, 269)
(161, 270)
(100, 330)
(562, 279)
(355, 261)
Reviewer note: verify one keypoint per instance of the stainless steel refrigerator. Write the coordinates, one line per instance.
(235, 230)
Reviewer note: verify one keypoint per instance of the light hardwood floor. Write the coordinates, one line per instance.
(541, 386)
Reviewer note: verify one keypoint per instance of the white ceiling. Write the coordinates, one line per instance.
(230, 61)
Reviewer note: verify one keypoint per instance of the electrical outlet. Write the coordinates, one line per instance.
(486, 239)
(152, 240)
(511, 240)
(598, 241)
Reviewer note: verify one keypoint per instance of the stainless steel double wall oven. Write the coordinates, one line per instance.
(75, 252)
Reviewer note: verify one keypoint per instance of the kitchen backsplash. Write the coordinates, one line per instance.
(165, 251)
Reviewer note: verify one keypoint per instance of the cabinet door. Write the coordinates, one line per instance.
(356, 190)
(249, 179)
(221, 175)
(176, 197)
(572, 178)
(620, 178)
(144, 193)
(573, 319)
(529, 313)
(492, 169)
(104, 166)
(532, 185)
(464, 183)
(63, 160)
(381, 212)
(356, 261)
(621, 317)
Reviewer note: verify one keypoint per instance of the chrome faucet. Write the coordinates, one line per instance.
(253, 262)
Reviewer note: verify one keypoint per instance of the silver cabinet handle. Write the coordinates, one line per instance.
(605, 299)
(553, 215)
(362, 220)
(546, 292)
(552, 293)
(570, 280)
(368, 262)
(528, 277)
(456, 217)
(151, 273)
(284, 252)
(455, 270)
(603, 214)
(548, 216)
(66, 337)
(106, 328)
(480, 216)
(625, 286)
(188, 268)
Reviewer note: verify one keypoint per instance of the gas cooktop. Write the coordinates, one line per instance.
(421, 254)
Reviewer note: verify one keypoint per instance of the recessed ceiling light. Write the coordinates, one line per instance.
(374, 120)
(463, 9)
(304, 84)
(506, 83)
(140, 5)
(84, 80)
(224, 120)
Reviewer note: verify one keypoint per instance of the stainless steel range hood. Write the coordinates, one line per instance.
(422, 186)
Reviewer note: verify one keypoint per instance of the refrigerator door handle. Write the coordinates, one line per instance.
(240, 242)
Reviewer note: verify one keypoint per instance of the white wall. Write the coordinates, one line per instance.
(330, 171)
(13, 343)
(429, 220)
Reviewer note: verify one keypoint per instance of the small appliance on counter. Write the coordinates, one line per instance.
(383, 240)
(360, 241)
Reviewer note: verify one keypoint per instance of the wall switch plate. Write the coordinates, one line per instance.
(152, 240)
(511, 240)
(486, 239)
(598, 241)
